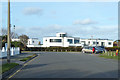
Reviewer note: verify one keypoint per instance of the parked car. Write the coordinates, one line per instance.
(88, 49)
(103, 48)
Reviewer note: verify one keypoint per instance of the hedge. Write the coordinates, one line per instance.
(59, 49)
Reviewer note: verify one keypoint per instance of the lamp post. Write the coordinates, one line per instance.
(14, 31)
(92, 40)
(8, 35)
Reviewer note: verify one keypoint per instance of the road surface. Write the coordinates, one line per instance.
(69, 65)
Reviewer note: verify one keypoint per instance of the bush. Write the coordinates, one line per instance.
(112, 48)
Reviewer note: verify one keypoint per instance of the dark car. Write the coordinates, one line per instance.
(102, 48)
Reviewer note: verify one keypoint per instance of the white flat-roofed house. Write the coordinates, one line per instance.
(34, 42)
(97, 42)
(61, 40)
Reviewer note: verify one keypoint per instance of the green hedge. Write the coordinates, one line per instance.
(59, 49)
(62, 49)
(112, 48)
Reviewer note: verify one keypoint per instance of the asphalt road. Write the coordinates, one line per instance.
(69, 65)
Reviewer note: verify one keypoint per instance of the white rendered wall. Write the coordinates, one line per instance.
(30, 41)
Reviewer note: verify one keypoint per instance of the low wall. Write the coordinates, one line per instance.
(13, 51)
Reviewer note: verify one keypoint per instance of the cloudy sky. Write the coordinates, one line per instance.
(78, 19)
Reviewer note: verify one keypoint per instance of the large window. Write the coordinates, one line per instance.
(70, 41)
(76, 41)
(109, 43)
(55, 40)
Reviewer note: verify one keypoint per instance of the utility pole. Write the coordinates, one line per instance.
(8, 35)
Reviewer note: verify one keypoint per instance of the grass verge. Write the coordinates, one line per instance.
(109, 56)
(7, 67)
(27, 58)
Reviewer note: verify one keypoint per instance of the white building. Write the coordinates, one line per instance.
(34, 42)
(15, 40)
(97, 42)
(62, 40)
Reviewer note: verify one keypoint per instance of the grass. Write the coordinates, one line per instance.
(7, 67)
(27, 58)
(110, 55)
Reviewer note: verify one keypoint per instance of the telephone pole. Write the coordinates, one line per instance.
(8, 35)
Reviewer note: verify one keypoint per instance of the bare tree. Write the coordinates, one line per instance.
(3, 31)
(13, 35)
(24, 39)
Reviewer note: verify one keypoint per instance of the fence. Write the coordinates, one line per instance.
(110, 54)
(13, 50)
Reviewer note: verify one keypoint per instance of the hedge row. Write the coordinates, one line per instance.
(59, 49)
(112, 48)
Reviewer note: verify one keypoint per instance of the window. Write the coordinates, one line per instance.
(89, 42)
(29, 42)
(62, 35)
(102, 43)
(109, 43)
(97, 42)
(33, 41)
(93, 42)
(86, 48)
(76, 41)
(55, 40)
(70, 41)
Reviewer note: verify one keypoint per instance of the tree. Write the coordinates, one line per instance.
(3, 32)
(117, 43)
(4, 38)
(24, 39)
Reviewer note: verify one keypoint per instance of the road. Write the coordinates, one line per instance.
(69, 65)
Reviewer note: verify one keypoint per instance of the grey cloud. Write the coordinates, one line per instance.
(32, 11)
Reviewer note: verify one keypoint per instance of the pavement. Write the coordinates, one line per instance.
(68, 65)
(15, 59)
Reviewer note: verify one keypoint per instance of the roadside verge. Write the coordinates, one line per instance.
(16, 68)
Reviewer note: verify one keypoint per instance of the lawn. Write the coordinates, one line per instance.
(27, 58)
(7, 67)
(110, 55)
